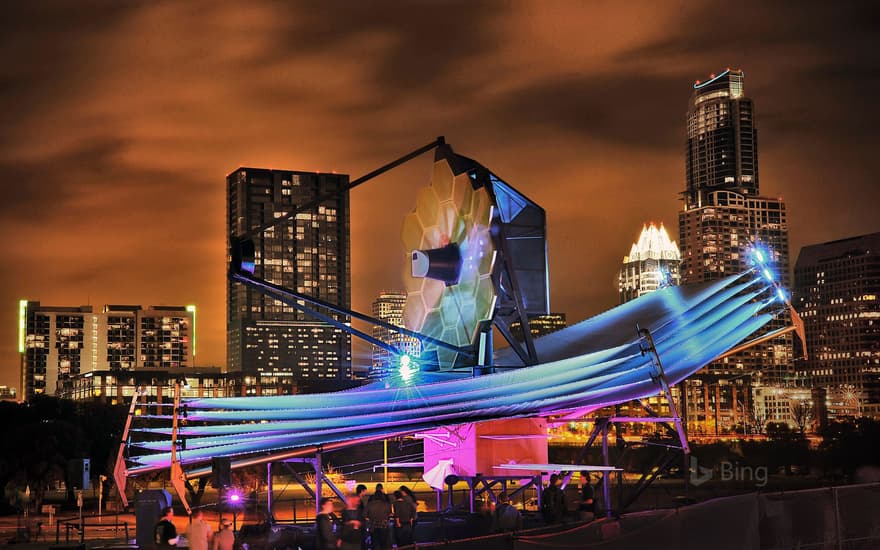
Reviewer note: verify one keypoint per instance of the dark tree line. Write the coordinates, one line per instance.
(41, 436)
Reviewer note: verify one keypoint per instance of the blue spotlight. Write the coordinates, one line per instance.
(407, 367)
(767, 274)
(781, 294)
(760, 254)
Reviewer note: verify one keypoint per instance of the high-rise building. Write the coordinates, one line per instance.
(309, 254)
(388, 307)
(837, 294)
(58, 343)
(539, 325)
(722, 140)
(653, 262)
(723, 218)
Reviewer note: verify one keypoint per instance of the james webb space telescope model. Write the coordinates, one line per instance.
(476, 260)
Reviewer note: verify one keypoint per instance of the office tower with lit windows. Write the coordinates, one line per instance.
(61, 343)
(837, 294)
(723, 217)
(653, 262)
(309, 254)
(388, 307)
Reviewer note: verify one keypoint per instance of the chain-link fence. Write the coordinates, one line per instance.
(836, 518)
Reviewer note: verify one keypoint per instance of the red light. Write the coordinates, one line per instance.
(712, 75)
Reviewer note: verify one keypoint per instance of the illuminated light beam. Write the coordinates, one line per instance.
(22, 318)
(407, 368)
(781, 294)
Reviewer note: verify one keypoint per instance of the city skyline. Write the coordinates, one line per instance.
(131, 142)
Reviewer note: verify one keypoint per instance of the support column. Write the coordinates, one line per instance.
(271, 515)
(606, 485)
(319, 478)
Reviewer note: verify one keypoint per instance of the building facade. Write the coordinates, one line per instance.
(118, 387)
(837, 294)
(388, 307)
(539, 325)
(8, 394)
(653, 262)
(309, 254)
(57, 343)
(723, 219)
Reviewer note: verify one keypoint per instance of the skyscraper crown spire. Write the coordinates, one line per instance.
(653, 244)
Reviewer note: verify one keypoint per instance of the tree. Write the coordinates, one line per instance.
(801, 414)
(756, 418)
(43, 434)
(849, 444)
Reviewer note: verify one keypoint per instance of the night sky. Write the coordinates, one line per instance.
(122, 119)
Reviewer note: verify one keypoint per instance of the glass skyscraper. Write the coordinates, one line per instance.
(310, 255)
(722, 219)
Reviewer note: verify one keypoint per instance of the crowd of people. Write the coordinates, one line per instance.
(199, 534)
(378, 521)
(374, 521)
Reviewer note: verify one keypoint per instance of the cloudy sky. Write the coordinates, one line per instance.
(121, 120)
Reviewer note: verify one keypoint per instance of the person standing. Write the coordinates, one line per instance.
(506, 518)
(587, 507)
(352, 531)
(378, 515)
(225, 538)
(553, 502)
(408, 494)
(199, 533)
(363, 499)
(165, 534)
(404, 518)
(325, 523)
